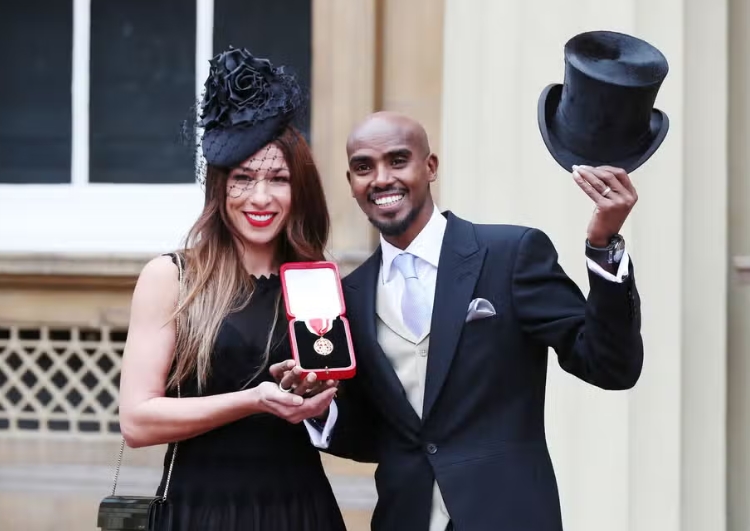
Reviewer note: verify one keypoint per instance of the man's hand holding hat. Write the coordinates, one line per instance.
(613, 194)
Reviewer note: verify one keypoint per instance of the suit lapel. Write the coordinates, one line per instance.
(461, 260)
(385, 384)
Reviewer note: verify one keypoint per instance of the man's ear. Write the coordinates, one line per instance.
(432, 165)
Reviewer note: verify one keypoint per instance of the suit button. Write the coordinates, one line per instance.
(431, 449)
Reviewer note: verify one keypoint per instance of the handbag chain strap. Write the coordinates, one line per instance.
(174, 447)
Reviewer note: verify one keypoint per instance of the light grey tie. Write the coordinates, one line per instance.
(415, 307)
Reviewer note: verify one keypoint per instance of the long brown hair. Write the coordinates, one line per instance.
(216, 284)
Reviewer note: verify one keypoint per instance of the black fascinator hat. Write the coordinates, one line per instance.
(247, 103)
(603, 114)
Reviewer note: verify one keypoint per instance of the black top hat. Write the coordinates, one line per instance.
(603, 112)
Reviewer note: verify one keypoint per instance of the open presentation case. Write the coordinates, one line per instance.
(318, 328)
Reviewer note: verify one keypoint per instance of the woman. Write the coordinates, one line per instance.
(244, 459)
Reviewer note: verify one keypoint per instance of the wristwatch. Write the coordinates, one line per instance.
(608, 257)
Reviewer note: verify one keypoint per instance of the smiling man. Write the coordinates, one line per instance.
(397, 208)
(451, 323)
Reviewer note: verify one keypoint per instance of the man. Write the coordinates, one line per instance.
(451, 323)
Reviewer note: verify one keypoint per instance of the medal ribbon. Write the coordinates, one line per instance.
(320, 326)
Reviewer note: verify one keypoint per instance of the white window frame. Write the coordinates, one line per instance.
(84, 218)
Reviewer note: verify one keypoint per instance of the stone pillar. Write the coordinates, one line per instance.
(652, 458)
(343, 92)
(739, 273)
(411, 62)
(363, 61)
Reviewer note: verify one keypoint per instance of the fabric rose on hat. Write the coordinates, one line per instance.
(242, 90)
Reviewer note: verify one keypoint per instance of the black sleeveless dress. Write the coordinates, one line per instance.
(260, 473)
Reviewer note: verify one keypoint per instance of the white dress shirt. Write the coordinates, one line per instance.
(426, 248)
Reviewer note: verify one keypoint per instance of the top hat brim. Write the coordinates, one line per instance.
(565, 157)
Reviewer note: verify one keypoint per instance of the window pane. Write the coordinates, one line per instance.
(280, 30)
(35, 101)
(142, 88)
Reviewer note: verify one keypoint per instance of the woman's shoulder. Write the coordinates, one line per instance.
(159, 278)
(160, 267)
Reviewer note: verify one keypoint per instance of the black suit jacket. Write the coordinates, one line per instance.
(482, 433)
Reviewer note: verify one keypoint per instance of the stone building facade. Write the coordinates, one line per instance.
(80, 216)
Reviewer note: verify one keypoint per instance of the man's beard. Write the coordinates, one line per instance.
(396, 228)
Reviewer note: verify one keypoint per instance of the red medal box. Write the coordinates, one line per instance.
(318, 328)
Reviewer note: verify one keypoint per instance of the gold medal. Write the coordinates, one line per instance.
(323, 346)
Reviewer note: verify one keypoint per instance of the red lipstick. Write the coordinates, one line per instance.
(259, 219)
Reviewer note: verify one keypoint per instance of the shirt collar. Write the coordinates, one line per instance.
(425, 246)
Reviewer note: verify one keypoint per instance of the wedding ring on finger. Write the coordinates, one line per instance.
(281, 388)
(606, 191)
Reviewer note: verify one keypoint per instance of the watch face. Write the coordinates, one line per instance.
(610, 254)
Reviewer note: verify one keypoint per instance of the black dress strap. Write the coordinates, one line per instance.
(179, 261)
(173, 256)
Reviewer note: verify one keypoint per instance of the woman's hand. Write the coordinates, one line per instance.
(289, 406)
(289, 376)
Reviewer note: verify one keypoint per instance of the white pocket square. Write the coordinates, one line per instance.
(479, 309)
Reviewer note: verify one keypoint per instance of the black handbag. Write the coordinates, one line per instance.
(146, 513)
(142, 513)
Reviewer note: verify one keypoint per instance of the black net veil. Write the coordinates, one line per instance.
(246, 104)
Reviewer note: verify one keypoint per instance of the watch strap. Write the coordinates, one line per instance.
(609, 257)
